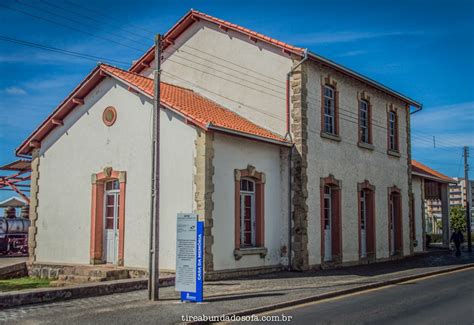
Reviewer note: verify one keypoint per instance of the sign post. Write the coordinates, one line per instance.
(189, 257)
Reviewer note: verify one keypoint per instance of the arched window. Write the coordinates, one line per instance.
(392, 131)
(364, 122)
(329, 97)
(247, 213)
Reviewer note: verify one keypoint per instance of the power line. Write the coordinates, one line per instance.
(349, 118)
(243, 79)
(73, 20)
(69, 27)
(102, 21)
(108, 16)
(61, 51)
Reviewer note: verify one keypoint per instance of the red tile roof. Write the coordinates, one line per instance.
(194, 107)
(424, 170)
(200, 110)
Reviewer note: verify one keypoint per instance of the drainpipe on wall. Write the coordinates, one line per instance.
(290, 154)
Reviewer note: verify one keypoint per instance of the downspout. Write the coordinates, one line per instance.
(290, 154)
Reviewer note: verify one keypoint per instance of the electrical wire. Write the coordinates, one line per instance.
(61, 51)
(348, 115)
(69, 27)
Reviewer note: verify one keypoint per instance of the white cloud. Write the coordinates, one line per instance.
(14, 91)
(352, 53)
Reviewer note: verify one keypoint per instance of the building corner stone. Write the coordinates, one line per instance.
(204, 189)
(299, 130)
(34, 202)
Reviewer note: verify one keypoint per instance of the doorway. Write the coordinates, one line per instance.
(331, 225)
(111, 221)
(395, 223)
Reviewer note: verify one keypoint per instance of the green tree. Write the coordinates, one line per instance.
(457, 218)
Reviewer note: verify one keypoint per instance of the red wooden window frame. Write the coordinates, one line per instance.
(259, 179)
(396, 139)
(97, 214)
(328, 82)
(369, 121)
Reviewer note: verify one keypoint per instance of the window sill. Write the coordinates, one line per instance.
(334, 137)
(365, 145)
(393, 153)
(238, 253)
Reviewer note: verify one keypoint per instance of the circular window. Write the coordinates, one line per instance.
(109, 116)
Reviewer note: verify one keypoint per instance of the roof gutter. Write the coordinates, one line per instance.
(417, 109)
(433, 178)
(210, 126)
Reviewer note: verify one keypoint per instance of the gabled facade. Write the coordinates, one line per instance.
(294, 90)
(288, 157)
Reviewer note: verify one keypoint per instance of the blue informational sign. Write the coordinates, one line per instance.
(197, 294)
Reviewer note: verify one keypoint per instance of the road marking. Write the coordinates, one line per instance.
(324, 300)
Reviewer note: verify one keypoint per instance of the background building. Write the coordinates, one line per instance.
(460, 193)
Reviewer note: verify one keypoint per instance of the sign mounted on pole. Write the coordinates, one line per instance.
(189, 257)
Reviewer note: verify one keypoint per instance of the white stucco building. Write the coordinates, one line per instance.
(289, 158)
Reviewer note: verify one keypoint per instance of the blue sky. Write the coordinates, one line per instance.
(423, 49)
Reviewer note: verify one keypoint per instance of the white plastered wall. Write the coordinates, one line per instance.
(351, 164)
(232, 153)
(84, 145)
(227, 67)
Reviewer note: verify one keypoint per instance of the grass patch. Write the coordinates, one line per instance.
(23, 283)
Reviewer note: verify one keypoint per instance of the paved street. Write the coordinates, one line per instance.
(231, 296)
(443, 299)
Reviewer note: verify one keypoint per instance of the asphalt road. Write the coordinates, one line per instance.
(443, 299)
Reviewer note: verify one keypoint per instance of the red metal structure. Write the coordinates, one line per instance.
(16, 178)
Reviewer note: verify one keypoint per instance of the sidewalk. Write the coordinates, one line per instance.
(235, 296)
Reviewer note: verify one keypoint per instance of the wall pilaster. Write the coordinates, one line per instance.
(204, 188)
(299, 125)
(34, 202)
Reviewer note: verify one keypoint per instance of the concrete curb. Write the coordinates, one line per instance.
(338, 293)
(42, 295)
(13, 270)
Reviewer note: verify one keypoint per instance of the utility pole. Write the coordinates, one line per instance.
(154, 265)
(468, 198)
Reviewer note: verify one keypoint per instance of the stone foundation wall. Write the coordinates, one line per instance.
(244, 272)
